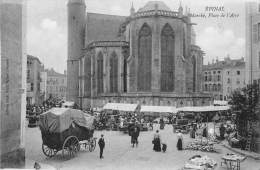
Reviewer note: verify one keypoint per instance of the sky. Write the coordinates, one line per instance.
(217, 36)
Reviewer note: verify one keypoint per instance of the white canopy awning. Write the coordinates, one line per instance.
(221, 102)
(159, 109)
(120, 107)
(204, 108)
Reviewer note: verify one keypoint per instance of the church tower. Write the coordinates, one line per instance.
(76, 30)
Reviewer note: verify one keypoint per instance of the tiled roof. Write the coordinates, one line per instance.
(225, 64)
(51, 72)
(151, 5)
(102, 27)
(77, 1)
(30, 57)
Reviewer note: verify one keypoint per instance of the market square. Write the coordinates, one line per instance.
(137, 84)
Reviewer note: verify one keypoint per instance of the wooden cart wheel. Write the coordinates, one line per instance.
(48, 151)
(70, 147)
(92, 144)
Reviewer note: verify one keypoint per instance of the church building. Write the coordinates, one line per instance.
(149, 57)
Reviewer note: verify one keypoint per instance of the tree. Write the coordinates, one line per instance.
(244, 103)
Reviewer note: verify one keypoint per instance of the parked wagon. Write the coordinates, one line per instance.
(66, 130)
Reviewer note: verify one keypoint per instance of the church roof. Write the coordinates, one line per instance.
(151, 5)
(51, 72)
(77, 1)
(102, 27)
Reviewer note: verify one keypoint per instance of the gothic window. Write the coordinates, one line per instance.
(167, 59)
(113, 73)
(87, 79)
(258, 30)
(184, 43)
(125, 73)
(100, 73)
(194, 65)
(144, 58)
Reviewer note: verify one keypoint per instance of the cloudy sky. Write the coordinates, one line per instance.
(47, 27)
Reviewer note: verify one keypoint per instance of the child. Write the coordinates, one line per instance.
(164, 147)
(101, 143)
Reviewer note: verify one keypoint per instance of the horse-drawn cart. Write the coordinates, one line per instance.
(65, 129)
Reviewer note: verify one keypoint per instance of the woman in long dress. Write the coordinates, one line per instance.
(157, 142)
(180, 139)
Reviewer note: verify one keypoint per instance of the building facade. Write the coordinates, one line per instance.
(252, 42)
(148, 57)
(56, 84)
(221, 78)
(12, 83)
(34, 81)
(43, 85)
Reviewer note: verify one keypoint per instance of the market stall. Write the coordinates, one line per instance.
(158, 111)
(232, 161)
(198, 162)
(200, 109)
(125, 107)
(203, 145)
(220, 103)
(114, 112)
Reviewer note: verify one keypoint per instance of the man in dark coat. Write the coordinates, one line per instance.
(101, 144)
(205, 132)
(222, 131)
(161, 123)
(135, 131)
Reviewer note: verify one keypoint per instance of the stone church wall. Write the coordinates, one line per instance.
(163, 100)
(156, 24)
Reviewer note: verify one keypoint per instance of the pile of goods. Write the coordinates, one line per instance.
(201, 145)
(213, 139)
(233, 157)
(200, 163)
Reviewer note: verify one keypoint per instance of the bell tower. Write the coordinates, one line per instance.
(76, 32)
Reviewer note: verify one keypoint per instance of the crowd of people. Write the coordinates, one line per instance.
(117, 121)
(33, 110)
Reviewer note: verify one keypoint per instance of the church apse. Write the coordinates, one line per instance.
(148, 57)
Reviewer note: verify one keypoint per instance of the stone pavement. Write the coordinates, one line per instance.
(249, 154)
(29, 164)
(119, 154)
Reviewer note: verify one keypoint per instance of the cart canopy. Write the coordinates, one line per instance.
(121, 107)
(68, 104)
(57, 120)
